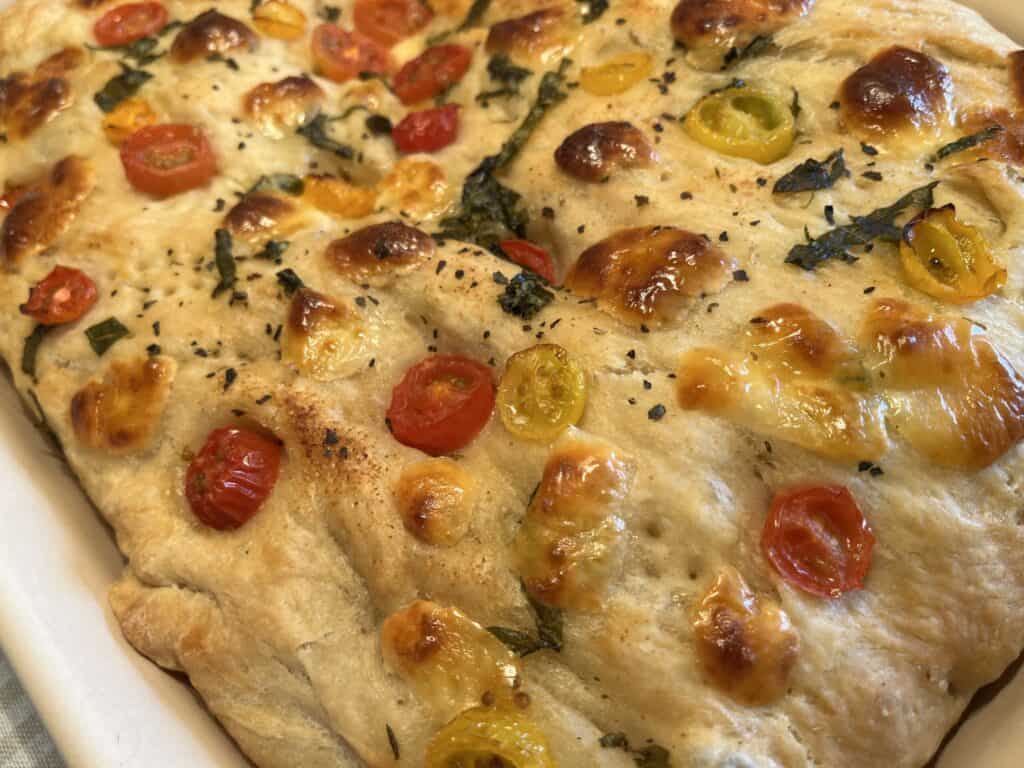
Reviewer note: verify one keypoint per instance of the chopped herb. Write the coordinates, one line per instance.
(525, 295)
(103, 336)
(877, 225)
(379, 125)
(868, 150)
(290, 281)
(549, 624)
(759, 46)
(288, 183)
(140, 51)
(740, 276)
(229, 378)
(503, 71)
(31, 349)
(593, 9)
(656, 413)
(651, 756)
(329, 13)
(968, 142)
(794, 105)
(272, 250)
(225, 261)
(641, 200)
(813, 174)
(872, 175)
(393, 743)
(473, 17)
(153, 349)
(120, 87)
(549, 93)
(315, 132)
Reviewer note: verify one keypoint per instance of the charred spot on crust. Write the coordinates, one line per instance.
(257, 215)
(285, 104)
(899, 88)
(380, 249)
(722, 25)
(527, 35)
(595, 150)
(1016, 64)
(644, 273)
(211, 32)
(308, 308)
(29, 101)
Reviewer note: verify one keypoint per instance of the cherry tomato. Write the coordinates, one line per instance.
(542, 393)
(818, 540)
(61, 297)
(427, 131)
(390, 21)
(743, 122)
(533, 257)
(164, 160)
(431, 72)
(441, 404)
(340, 55)
(128, 23)
(231, 477)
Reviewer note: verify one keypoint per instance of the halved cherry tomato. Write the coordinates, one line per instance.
(617, 75)
(427, 131)
(164, 160)
(340, 55)
(542, 393)
(61, 297)
(231, 477)
(816, 537)
(128, 23)
(431, 72)
(533, 257)
(441, 404)
(743, 122)
(390, 21)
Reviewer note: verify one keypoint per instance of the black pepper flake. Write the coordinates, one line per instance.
(343, 452)
(440, 266)
(762, 181)
(641, 200)
(459, 274)
(929, 167)
(723, 237)
(830, 214)
(868, 150)
(156, 328)
(656, 413)
(487, 334)
(873, 175)
(219, 206)
(644, 328)
(834, 105)
(200, 352)
(499, 278)
(712, 306)
(647, 384)
(686, 195)
(741, 276)
(547, 212)
(581, 229)
(631, 401)
(229, 378)
(869, 289)
(864, 466)
(277, 332)
(876, 472)
(361, 302)
(153, 349)
(264, 400)
(631, 354)
(331, 437)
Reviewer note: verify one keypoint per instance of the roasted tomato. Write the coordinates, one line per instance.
(390, 21)
(427, 131)
(128, 23)
(278, 19)
(164, 160)
(948, 259)
(441, 404)
(816, 537)
(498, 736)
(432, 72)
(743, 122)
(61, 297)
(533, 257)
(617, 75)
(542, 393)
(231, 477)
(340, 55)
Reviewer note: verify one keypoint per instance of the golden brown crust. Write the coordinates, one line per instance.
(380, 250)
(282, 106)
(211, 32)
(29, 101)
(1016, 65)
(531, 36)
(259, 215)
(595, 151)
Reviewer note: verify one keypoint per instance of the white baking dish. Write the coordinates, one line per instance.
(107, 707)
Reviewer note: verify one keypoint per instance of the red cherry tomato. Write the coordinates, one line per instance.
(441, 404)
(390, 21)
(340, 55)
(431, 72)
(533, 257)
(128, 23)
(427, 131)
(231, 477)
(61, 297)
(818, 540)
(164, 160)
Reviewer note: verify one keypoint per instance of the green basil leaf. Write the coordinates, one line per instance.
(104, 335)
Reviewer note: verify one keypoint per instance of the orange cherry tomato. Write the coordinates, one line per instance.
(128, 23)
(231, 477)
(390, 21)
(340, 55)
(441, 404)
(164, 160)
(427, 131)
(431, 72)
(61, 297)
(533, 257)
(816, 537)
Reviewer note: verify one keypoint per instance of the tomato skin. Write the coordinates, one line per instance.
(163, 160)
(427, 131)
(390, 21)
(340, 55)
(818, 540)
(441, 404)
(533, 257)
(63, 296)
(231, 477)
(130, 22)
(431, 72)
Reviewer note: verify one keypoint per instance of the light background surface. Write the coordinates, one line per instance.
(106, 707)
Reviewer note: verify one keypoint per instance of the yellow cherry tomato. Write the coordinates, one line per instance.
(485, 736)
(338, 197)
(126, 118)
(948, 259)
(542, 392)
(276, 18)
(743, 122)
(617, 75)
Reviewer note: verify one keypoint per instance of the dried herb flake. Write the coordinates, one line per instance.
(968, 142)
(103, 336)
(315, 132)
(813, 174)
(120, 87)
(225, 261)
(525, 295)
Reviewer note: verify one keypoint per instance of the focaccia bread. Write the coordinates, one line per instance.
(623, 382)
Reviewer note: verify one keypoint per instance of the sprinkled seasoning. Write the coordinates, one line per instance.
(656, 413)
